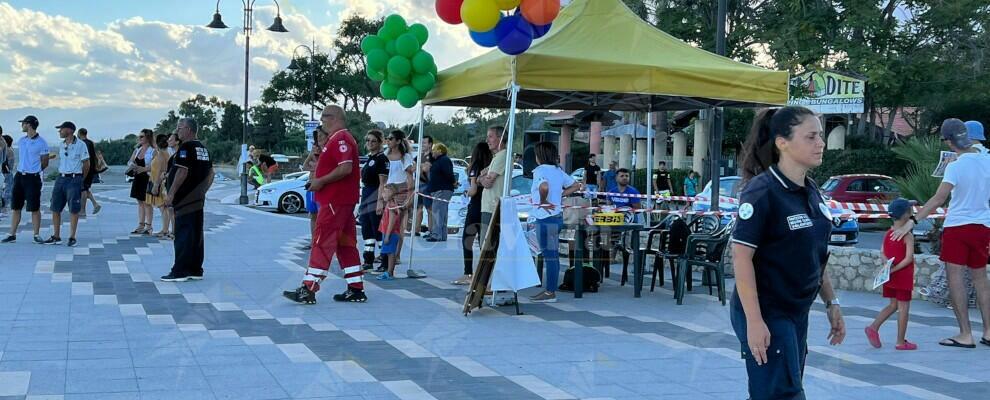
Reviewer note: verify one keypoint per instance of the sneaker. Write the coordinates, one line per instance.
(38, 239)
(196, 277)
(52, 240)
(9, 239)
(873, 336)
(380, 270)
(414, 274)
(72, 242)
(906, 346)
(351, 296)
(96, 209)
(385, 277)
(544, 297)
(302, 295)
(367, 266)
(174, 278)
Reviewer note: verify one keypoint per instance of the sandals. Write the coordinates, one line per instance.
(141, 229)
(873, 336)
(464, 280)
(985, 341)
(950, 342)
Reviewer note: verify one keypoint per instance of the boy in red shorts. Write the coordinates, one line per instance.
(898, 289)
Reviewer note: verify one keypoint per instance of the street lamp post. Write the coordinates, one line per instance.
(294, 66)
(277, 26)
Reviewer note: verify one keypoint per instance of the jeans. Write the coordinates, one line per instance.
(548, 233)
(438, 225)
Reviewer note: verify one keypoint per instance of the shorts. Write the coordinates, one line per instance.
(967, 245)
(27, 190)
(391, 245)
(426, 202)
(312, 206)
(88, 181)
(897, 294)
(67, 191)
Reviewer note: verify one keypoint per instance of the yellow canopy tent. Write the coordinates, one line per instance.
(600, 55)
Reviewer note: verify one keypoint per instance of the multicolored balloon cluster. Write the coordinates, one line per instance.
(395, 57)
(513, 33)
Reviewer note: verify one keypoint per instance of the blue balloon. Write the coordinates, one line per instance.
(541, 30)
(515, 35)
(484, 39)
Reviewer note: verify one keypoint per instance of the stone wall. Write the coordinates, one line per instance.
(852, 269)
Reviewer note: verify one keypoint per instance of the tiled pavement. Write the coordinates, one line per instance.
(93, 322)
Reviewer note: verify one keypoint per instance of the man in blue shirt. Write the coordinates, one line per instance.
(73, 166)
(33, 156)
(622, 187)
(610, 174)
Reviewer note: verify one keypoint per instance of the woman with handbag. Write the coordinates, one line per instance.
(156, 185)
(138, 168)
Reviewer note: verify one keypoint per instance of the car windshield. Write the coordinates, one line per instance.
(727, 187)
(830, 185)
(462, 180)
(523, 184)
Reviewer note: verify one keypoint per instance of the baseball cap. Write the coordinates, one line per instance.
(975, 129)
(955, 131)
(67, 124)
(29, 119)
(899, 207)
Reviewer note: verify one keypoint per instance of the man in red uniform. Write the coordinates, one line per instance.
(336, 187)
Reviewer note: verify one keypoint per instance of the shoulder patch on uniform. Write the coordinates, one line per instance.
(343, 148)
(746, 211)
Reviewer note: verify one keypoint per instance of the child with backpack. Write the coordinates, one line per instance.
(898, 289)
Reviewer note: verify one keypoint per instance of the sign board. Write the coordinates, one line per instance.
(827, 92)
(310, 132)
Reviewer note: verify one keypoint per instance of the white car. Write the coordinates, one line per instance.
(287, 195)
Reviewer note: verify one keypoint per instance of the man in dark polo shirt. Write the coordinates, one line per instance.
(87, 195)
(189, 179)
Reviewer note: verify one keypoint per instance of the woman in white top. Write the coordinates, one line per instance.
(396, 197)
(550, 185)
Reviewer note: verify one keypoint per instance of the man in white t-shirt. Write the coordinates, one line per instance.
(966, 237)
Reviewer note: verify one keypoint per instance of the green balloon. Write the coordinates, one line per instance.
(433, 69)
(390, 48)
(421, 33)
(377, 59)
(371, 42)
(423, 83)
(375, 75)
(398, 81)
(389, 91)
(396, 24)
(386, 34)
(408, 96)
(423, 62)
(399, 66)
(407, 45)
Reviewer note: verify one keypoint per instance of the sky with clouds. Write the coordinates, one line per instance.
(151, 55)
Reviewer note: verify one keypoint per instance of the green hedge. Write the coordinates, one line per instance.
(876, 160)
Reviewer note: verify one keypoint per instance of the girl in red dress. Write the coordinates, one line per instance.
(898, 289)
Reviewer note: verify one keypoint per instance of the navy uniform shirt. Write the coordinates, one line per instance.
(788, 225)
(377, 164)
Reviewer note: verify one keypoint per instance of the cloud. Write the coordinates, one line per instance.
(49, 61)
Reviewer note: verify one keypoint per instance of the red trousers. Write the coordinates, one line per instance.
(335, 234)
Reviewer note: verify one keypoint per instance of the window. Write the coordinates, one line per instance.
(858, 185)
(830, 185)
(523, 184)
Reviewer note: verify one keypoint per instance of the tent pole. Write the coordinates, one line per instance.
(419, 171)
(507, 182)
(649, 164)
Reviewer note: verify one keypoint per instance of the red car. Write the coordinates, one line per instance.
(861, 188)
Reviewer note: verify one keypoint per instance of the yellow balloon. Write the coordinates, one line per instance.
(480, 15)
(507, 4)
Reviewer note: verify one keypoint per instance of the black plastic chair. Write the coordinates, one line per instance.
(704, 250)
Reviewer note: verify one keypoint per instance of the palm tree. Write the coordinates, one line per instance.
(922, 155)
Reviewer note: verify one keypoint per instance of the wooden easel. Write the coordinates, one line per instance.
(486, 264)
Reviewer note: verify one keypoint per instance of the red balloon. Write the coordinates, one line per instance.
(450, 11)
(540, 12)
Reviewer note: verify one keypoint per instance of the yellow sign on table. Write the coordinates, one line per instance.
(608, 218)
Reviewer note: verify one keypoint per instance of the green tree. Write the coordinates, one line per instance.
(352, 83)
(295, 86)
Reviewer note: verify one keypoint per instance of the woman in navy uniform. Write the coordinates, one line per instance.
(780, 247)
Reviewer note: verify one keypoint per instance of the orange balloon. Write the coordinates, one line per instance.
(540, 12)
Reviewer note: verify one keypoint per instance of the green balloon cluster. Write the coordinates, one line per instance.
(395, 57)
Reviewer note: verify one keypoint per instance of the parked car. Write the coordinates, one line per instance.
(860, 188)
(578, 175)
(286, 195)
(846, 234)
